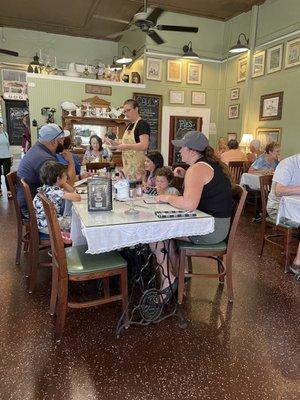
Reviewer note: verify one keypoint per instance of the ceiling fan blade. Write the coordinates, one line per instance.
(117, 34)
(155, 36)
(153, 16)
(9, 52)
(177, 28)
(121, 21)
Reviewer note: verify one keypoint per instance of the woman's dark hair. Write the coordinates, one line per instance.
(156, 158)
(208, 155)
(99, 140)
(165, 171)
(50, 171)
(132, 102)
(270, 147)
(233, 144)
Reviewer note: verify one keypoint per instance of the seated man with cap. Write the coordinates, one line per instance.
(207, 187)
(50, 136)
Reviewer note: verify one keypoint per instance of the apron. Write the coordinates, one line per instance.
(133, 161)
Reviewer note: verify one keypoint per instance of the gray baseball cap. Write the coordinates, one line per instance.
(194, 140)
(50, 132)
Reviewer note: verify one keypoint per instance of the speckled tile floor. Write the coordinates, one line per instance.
(245, 351)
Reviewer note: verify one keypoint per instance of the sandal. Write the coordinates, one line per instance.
(295, 269)
(169, 291)
(9, 195)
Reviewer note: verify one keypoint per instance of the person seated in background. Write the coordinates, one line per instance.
(254, 150)
(60, 158)
(78, 142)
(164, 177)
(207, 187)
(267, 162)
(153, 161)
(234, 153)
(96, 152)
(50, 135)
(53, 176)
(221, 146)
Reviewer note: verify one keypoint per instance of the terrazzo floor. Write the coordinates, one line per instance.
(243, 351)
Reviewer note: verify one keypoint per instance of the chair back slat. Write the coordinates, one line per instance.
(57, 245)
(95, 166)
(239, 195)
(236, 169)
(265, 182)
(33, 228)
(12, 182)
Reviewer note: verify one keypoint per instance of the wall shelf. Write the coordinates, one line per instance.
(84, 80)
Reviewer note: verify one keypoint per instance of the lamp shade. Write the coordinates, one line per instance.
(239, 47)
(246, 140)
(188, 51)
(124, 59)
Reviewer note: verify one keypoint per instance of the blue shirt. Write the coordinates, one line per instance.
(262, 163)
(62, 161)
(29, 169)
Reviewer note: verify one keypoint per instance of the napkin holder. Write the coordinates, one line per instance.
(99, 194)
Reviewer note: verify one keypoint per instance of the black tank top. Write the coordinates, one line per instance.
(216, 198)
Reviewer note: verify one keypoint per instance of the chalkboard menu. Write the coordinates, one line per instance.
(14, 113)
(150, 106)
(179, 126)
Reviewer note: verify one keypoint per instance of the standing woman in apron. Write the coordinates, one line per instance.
(5, 158)
(135, 141)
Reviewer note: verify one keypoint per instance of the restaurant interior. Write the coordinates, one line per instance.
(96, 309)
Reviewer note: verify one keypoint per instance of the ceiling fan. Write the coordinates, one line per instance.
(146, 21)
(9, 52)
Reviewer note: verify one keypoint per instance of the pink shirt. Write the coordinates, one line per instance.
(233, 155)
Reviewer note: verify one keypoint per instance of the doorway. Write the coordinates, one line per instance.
(14, 111)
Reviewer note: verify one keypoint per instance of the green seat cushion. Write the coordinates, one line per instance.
(81, 263)
(273, 222)
(222, 246)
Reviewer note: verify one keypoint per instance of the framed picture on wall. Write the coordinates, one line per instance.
(234, 94)
(198, 98)
(194, 73)
(271, 106)
(292, 53)
(258, 64)
(268, 135)
(242, 69)
(153, 69)
(231, 136)
(174, 71)
(176, 97)
(233, 111)
(274, 59)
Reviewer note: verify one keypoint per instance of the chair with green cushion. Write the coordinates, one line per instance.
(221, 252)
(73, 264)
(283, 232)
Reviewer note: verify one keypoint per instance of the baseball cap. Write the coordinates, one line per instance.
(50, 132)
(194, 140)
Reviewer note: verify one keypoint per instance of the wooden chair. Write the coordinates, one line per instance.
(73, 264)
(236, 169)
(95, 166)
(284, 232)
(221, 252)
(36, 245)
(22, 223)
(79, 153)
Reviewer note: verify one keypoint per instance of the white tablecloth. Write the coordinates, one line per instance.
(251, 180)
(111, 230)
(289, 210)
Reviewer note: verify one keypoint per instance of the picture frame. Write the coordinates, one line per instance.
(194, 73)
(99, 194)
(153, 69)
(198, 98)
(242, 69)
(234, 94)
(271, 106)
(274, 59)
(292, 53)
(98, 89)
(268, 135)
(233, 111)
(258, 64)
(174, 68)
(176, 97)
(231, 136)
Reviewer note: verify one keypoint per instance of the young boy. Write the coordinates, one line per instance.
(163, 179)
(54, 178)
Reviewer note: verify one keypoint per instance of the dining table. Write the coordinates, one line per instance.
(104, 231)
(289, 210)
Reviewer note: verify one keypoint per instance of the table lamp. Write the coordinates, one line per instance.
(245, 142)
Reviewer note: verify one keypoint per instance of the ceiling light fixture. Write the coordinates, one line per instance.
(188, 51)
(114, 67)
(239, 47)
(124, 59)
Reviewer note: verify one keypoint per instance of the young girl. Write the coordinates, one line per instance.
(163, 179)
(54, 178)
(153, 161)
(96, 151)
